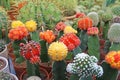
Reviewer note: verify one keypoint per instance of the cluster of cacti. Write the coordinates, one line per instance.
(116, 10)
(94, 16)
(2, 47)
(84, 66)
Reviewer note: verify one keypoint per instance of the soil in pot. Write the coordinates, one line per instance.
(2, 64)
(44, 75)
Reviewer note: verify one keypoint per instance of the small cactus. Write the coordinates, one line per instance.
(85, 23)
(6, 76)
(94, 16)
(2, 47)
(116, 10)
(107, 16)
(113, 33)
(84, 66)
(115, 20)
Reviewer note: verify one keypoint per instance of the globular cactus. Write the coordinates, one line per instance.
(58, 52)
(115, 20)
(84, 66)
(69, 29)
(85, 23)
(80, 8)
(107, 16)
(94, 16)
(93, 42)
(116, 10)
(113, 33)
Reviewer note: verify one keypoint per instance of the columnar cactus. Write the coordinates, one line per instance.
(93, 42)
(94, 16)
(58, 52)
(116, 10)
(84, 66)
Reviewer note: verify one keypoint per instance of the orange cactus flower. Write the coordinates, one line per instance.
(85, 23)
(48, 36)
(92, 31)
(113, 58)
(70, 40)
(18, 33)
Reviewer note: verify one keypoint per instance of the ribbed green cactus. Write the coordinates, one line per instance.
(116, 10)
(114, 33)
(107, 16)
(94, 16)
(3, 21)
(59, 70)
(94, 46)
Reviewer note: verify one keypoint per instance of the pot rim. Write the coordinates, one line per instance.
(6, 62)
(16, 78)
(4, 50)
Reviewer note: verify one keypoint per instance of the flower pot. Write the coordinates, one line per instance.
(4, 53)
(4, 64)
(15, 77)
(23, 76)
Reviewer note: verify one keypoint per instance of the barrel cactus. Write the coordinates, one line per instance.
(114, 33)
(116, 20)
(107, 16)
(116, 10)
(94, 16)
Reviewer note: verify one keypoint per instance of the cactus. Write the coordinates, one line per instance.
(94, 17)
(3, 23)
(84, 66)
(2, 47)
(113, 33)
(5, 4)
(6, 76)
(93, 42)
(115, 20)
(116, 10)
(58, 52)
(107, 16)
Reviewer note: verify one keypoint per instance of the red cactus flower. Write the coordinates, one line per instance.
(79, 15)
(18, 33)
(85, 23)
(48, 36)
(60, 26)
(30, 51)
(92, 31)
(70, 40)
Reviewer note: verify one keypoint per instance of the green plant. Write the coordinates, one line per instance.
(3, 24)
(116, 10)
(5, 4)
(94, 16)
(2, 46)
(6, 76)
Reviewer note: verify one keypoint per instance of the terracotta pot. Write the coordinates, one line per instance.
(4, 53)
(5, 65)
(42, 70)
(46, 66)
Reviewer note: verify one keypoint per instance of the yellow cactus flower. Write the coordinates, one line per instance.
(16, 24)
(57, 51)
(69, 29)
(113, 58)
(31, 26)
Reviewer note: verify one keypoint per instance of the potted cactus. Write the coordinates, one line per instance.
(7, 76)
(4, 65)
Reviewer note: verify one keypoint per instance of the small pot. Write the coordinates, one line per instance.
(15, 77)
(42, 70)
(5, 66)
(4, 53)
